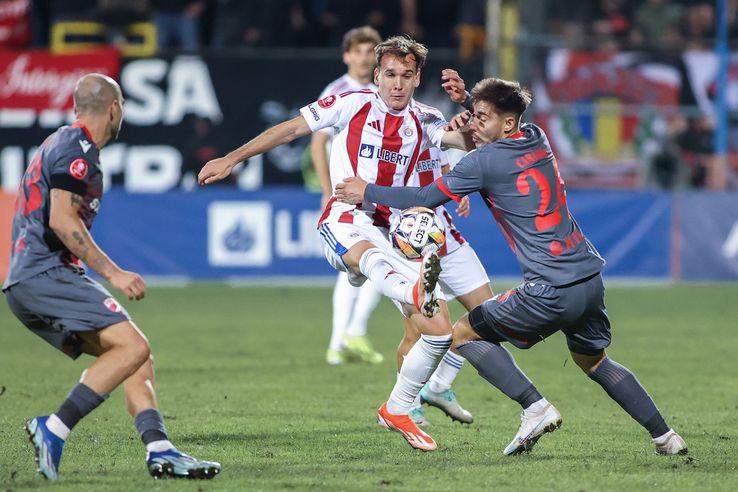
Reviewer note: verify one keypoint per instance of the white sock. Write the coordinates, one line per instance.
(344, 299)
(57, 427)
(419, 364)
(537, 406)
(663, 437)
(365, 303)
(448, 369)
(159, 446)
(374, 265)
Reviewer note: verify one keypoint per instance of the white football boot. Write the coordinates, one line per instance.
(533, 424)
(670, 443)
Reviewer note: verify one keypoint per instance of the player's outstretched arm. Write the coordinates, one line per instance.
(64, 220)
(283, 133)
(356, 190)
(457, 133)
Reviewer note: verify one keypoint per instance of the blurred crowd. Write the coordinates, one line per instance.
(193, 24)
(660, 25)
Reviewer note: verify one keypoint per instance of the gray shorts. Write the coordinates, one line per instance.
(58, 303)
(532, 312)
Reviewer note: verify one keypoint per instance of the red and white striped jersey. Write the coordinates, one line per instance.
(343, 84)
(374, 142)
(428, 169)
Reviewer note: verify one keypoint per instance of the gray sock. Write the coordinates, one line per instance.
(495, 364)
(624, 388)
(80, 401)
(150, 425)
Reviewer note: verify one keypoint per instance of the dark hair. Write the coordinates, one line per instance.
(359, 35)
(505, 95)
(401, 46)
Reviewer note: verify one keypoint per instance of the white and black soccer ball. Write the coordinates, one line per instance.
(416, 230)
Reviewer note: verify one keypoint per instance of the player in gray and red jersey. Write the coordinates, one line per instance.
(48, 291)
(515, 171)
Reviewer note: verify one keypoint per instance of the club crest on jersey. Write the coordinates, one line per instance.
(78, 168)
(407, 131)
(112, 305)
(327, 102)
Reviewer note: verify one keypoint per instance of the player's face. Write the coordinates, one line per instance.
(488, 126)
(360, 61)
(397, 79)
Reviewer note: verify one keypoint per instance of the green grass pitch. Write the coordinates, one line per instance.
(241, 379)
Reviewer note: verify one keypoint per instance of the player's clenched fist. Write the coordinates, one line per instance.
(215, 170)
(459, 122)
(130, 283)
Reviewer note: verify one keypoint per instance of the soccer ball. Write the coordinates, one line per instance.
(416, 230)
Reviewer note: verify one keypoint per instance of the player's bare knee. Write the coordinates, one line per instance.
(463, 332)
(588, 363)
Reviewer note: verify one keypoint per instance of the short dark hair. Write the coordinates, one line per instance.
(506, 96)
(359, 35)
(401, 47)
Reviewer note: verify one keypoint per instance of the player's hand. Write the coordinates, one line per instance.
(453, 85)
(464, 209)
(130, 283)
(459, 122)
(215, 170)
(351, 191)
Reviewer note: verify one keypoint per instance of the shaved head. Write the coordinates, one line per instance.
(94, 93)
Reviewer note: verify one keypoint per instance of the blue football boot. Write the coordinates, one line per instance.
(173, 463)
(47, 447)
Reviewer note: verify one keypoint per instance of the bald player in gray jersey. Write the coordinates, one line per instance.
(516, 173)
(49, 292)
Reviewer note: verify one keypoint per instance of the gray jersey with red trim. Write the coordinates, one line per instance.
(519, 180)
(68, 159)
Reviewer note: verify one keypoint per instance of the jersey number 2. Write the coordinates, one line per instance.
(544, 220)
(33, 174)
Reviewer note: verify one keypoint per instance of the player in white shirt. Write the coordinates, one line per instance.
(380, 136)
(462, 277)
(351, 305)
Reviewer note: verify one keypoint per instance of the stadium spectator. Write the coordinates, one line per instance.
(178, 23)
(654, 24)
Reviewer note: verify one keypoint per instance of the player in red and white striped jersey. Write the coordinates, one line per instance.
(380, 136)
(462, 277)
(351, 305)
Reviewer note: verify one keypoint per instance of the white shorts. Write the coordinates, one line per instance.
(461, 272)
(338, 237)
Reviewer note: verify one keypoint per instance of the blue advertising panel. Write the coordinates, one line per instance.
(223, 233)
(708, 235)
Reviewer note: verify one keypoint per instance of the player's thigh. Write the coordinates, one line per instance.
(590, 334)
(60, 304)
(522, 316)
(463, 277)
(124, 334)
(344, 243)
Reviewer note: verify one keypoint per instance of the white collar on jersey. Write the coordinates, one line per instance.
(383, 106)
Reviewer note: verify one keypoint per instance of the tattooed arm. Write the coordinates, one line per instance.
(66, 223)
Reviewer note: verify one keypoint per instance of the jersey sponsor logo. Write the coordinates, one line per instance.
(85, 145)
(327, 102)
(78, 168)
(314, 112)
(112, 305)
(428, 165)
(368, 151)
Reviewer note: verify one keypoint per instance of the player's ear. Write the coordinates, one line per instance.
(416, 83)
(376, 75)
